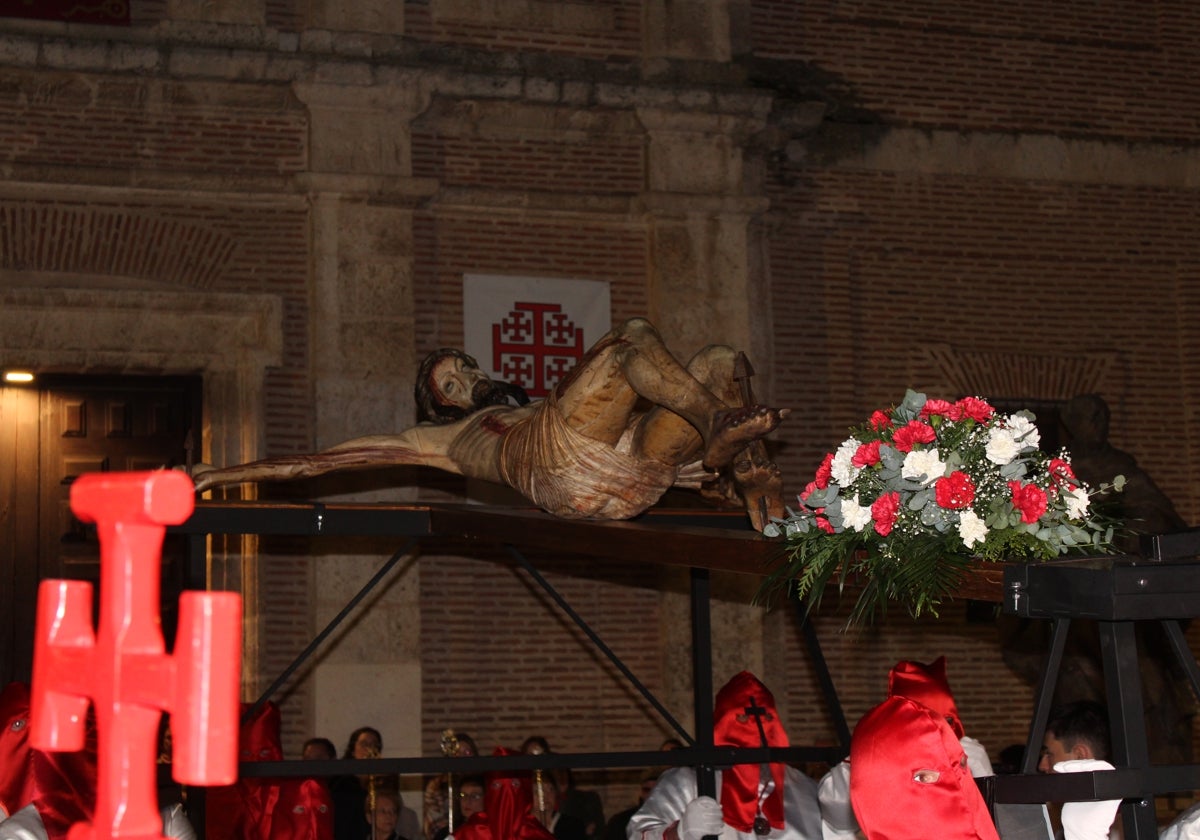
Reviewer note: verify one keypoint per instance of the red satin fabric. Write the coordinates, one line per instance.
(268, 809)
(739, 784)
(507, 799)
(927, 685)
(61, 785)
(891, 745)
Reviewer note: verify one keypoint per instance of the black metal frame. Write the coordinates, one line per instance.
(691, 535)
(1116, 591)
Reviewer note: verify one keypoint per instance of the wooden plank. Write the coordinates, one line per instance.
(697, 539)
(644, 540)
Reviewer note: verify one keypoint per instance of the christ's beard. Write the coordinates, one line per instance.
(491, 392)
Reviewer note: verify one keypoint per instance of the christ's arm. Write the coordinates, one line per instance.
(423, 445)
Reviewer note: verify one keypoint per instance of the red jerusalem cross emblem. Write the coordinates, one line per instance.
(535, 346)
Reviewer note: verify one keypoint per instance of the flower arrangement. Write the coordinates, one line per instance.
(918, 493)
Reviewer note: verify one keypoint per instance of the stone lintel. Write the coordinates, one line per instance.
(378, 189)
(1006, 156)
(121, 331)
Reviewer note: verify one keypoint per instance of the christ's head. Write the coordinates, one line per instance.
(451, 385)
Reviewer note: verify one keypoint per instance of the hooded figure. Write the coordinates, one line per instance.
(268, 809)
(927, 687)
(756, 800)
(51, 790)
(507, 799)
(910, 778)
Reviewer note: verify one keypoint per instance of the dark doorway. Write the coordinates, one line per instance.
(51, 432)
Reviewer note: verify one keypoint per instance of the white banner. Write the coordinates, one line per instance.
(531, 330)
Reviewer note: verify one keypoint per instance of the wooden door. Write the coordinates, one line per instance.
(86, 424)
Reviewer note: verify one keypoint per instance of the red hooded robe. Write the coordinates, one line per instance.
(268, 809)
(735, 726)
(909, 777)
(61, 785)
(507, 799)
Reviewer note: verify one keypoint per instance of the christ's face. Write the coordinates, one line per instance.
(454, 382)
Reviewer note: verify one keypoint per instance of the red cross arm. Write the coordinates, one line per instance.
(66, 650)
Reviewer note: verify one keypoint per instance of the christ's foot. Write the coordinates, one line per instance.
(734, 429)
(760, 484)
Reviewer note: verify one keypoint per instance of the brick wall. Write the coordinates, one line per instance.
(1108, 68)
(609, 29)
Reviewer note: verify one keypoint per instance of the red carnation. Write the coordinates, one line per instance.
(824, 472)
(942, 408)
(911, 434)
(954, 491)
(1029, 499)
(883, 511)
(824, 525)
(1061, 474)
(880, 421)
(867, 455)
(976, 409)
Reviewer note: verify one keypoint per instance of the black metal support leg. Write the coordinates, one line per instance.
(1126, 720)
(1045, 694)
(702, 683)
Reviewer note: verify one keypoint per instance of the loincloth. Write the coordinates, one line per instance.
(573, 476)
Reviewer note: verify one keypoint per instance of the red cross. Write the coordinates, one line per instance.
(123, 668)
(536, 342)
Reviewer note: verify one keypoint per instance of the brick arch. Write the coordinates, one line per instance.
(1032, 376)
(91, 240)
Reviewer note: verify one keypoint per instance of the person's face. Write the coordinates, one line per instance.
(647, 789)
(366, 745)
(385, 817)
(1053, 751)
(317, 752)
(470, 799)
(453, 382)
(464, 749)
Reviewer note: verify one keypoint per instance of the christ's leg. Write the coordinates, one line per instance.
(752, 479)
(633, 357)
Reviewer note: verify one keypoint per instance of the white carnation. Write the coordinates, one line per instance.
(924, 466)
(971, 528)
(1002, 447)
(1024, 433)
(854, 515)
(843, 471)
(1077, 502)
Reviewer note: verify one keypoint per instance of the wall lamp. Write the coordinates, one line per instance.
(18, 377)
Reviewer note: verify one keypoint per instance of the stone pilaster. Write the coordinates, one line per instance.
(687, 29)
